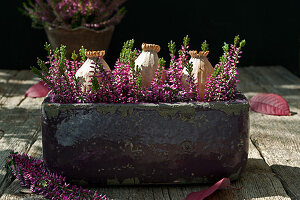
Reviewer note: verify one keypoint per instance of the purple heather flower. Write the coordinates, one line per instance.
(33, 173)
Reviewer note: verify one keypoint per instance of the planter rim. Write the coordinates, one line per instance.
(49, 28)
(240, 99)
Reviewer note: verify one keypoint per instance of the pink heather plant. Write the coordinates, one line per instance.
(94, 14)
(221, 86)
(123, 84)
(60, 76)
(172, 90)
(34, 174)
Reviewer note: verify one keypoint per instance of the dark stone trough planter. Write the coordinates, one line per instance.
(178, 143)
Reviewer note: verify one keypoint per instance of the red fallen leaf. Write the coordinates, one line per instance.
(38, 90)
(222, 184)
(270, 104)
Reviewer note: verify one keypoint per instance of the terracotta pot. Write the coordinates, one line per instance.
(75, 38)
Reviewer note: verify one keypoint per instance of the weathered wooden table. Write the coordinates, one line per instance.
(273, 169)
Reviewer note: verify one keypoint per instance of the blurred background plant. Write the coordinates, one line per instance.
(94, 14)
(74, 23)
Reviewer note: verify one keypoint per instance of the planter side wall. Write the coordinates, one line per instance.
(112, 144)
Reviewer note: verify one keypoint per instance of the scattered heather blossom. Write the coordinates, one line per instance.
(33, 173)
(221, 86)
(94, 14)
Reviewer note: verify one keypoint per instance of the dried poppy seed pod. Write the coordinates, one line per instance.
(148, 63)
(85, 72)
(202, 69)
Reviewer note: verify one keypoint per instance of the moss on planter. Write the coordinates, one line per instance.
(183, 111)
(228, 108)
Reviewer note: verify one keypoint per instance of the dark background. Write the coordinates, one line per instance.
(271, 30)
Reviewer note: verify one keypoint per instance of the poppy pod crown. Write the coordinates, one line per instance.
(148, 47)
(94, 54)
(196, 54)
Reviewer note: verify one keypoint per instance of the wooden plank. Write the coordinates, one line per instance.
(32, 104)
(276, 137)
(279, 144)
(286, 84)
(161, 193)
(18, 138)
(257, 182)
(17, 110)
(5, 75)
(19, 126)
(14, 89)
(285, 74)
(36, 150)
(14, 191)
(248, 83)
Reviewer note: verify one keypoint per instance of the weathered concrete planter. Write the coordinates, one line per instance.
(146, 143)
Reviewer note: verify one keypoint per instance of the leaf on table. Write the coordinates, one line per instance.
(38, 90)
(222, 184)
(270, 104)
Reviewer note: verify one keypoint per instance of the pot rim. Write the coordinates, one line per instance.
(240, 99)
(50, 28)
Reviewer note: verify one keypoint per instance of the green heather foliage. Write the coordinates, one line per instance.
(172, 47)
(204, 46)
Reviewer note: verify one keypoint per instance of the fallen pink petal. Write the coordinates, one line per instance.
(37, 90)
(202, 194)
